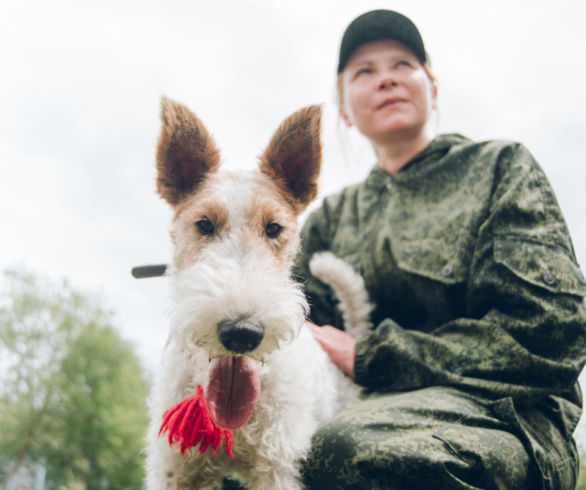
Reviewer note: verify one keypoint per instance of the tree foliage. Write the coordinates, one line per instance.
(72, 393)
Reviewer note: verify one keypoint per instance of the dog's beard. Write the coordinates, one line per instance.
(224, 289)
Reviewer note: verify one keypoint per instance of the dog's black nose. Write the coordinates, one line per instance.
(240, 335)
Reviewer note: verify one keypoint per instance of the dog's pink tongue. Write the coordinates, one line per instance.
(232, 391)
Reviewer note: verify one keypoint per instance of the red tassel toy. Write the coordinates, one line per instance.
(189, 422)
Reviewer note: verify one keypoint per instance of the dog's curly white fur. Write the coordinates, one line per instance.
(235, 237)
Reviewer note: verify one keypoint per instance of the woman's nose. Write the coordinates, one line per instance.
(387, 80)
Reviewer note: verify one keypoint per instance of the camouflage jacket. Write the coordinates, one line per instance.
(469, 262)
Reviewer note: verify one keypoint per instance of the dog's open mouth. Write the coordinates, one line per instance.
(232, 390)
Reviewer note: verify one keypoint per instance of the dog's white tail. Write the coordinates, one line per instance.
(349, 288)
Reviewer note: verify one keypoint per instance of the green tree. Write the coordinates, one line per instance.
(72, 392)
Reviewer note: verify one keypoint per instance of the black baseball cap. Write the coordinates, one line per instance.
(376, 25)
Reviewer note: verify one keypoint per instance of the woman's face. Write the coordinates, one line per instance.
(386, 92)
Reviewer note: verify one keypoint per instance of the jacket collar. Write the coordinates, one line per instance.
(438, 147)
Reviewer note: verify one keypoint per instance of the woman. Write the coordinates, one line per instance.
(470, 372)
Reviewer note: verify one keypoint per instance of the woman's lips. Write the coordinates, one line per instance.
(391, 102)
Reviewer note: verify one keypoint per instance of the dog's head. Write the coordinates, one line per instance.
(235, 237)
(235, 233)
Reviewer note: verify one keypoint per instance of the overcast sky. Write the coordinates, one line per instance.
(79, 101)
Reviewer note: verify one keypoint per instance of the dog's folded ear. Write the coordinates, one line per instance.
(293, 156)
(185, 152)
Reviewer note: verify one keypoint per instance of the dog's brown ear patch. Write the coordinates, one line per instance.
(185, 152)
(293, 156)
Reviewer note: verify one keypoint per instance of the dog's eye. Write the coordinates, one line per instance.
(273, 230)
(205, 226)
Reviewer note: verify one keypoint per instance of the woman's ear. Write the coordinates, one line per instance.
(345, 117)
(434, 96)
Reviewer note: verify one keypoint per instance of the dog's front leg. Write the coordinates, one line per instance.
(160, 467)
(274, 476)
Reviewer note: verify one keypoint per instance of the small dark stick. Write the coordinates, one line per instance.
(143, 271)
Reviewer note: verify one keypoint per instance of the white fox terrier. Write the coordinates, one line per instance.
(240, 365)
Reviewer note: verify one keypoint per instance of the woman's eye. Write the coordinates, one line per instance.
(205, 226)
(404, 63)
(273, 230)
(363, 71)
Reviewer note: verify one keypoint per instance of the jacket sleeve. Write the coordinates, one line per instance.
(316, 236)
(524, 330)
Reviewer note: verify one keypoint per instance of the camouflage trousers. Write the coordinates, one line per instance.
(433, 438)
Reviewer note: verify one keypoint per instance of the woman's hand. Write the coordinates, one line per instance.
(338, 345)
